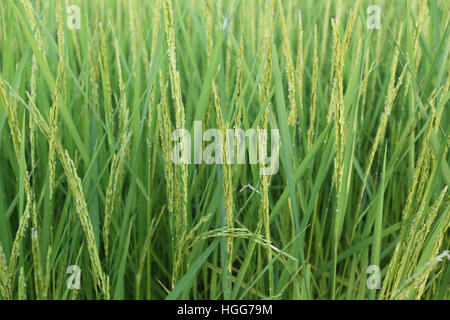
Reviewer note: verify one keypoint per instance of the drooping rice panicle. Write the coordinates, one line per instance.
(81, 208)
(265, 185)
(11, 113)
(182, 174)
(395, 267)
(76, 188)
(416, 281)
(389, 103)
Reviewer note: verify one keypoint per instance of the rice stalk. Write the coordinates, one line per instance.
(292, 119)
(312, 110)
(123, 101)
(265, 186)
(57, 100)
(299, 66)
(103, 57)
(227, 175)
(181, 171)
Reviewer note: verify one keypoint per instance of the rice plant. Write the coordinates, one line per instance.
(140, 159)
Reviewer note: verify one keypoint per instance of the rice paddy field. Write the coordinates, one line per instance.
(93, 205)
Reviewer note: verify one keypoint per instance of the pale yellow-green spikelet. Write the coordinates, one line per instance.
(209, 47)
(349, 28)
(265, 185)
(264, 89)
(264, 86)
(165, 134)
(181, 170)
(417, 281)
(340, 50)
(57, 100)
(20, 234)
(241, 233)
(227, 175)
(173, 72)
(34, 69)
(292, 118)
(421, 285)
(5, 282)
(392, 277)
(239, 98)
(145, 248)
(325, 32)
(208, 20)
(152, 103)
(132, 26)
(422, 171)
(155, 33)
(423, 11)
(411, 242)
(440, 112)
(11, 113)
(108, 102)
(389, 102)
(48, 271)
(337, 102)
(169, 173)
(300, 63)
(30, 192)
(228, 23)
(312, 110)
(123, 109)
(114, 186)
(38, 276)
(340, 56)
(267, 52)
(363, 88)
(22, 286)
(425, 229)
(76, 188)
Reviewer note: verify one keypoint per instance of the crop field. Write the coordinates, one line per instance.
(228, 149)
